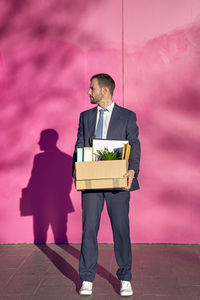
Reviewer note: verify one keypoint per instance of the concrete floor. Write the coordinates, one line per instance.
(166, 272)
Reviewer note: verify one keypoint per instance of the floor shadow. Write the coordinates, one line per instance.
(47, 195)
(61, 264)
(101, 271)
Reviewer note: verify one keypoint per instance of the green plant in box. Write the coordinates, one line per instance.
(107, 155)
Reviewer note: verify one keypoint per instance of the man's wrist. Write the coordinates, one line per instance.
(132, 172)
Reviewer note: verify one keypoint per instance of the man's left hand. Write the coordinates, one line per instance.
(130, 175)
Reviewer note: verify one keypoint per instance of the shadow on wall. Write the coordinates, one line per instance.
(38, 55)
(166, 82)
(46, 196)
(27, 17)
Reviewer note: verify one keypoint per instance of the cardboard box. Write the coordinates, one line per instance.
(107, 174)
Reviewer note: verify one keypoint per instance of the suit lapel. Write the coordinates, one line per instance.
(92, 121)
(113, 121)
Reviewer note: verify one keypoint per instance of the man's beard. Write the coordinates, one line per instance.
(92, 100)
(97, 99)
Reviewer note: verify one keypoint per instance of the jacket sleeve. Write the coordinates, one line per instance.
(132, 136)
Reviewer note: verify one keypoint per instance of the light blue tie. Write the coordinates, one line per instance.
(99, 130)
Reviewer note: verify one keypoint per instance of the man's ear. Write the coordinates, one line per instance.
(104, 90)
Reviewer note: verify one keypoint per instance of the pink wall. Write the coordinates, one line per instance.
(48, 51)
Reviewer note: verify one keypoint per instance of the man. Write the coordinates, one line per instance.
(108, 121)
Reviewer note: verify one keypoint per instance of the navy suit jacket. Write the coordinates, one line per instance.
(122, 126)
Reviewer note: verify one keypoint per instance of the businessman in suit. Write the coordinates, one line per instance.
(108, 121)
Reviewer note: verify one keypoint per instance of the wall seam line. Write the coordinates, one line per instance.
(123, 53)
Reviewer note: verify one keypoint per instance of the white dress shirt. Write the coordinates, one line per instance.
(106, 118)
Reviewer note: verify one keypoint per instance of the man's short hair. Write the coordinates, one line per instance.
(105, 80)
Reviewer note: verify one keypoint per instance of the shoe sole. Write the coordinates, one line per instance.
(85, 293)
(126, 294)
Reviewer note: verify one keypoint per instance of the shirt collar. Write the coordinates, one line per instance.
(109, 107)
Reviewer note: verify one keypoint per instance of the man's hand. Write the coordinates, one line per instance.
(130, 175)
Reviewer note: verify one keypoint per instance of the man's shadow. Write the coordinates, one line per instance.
(46, 196)
(70, 272)
(61, 264)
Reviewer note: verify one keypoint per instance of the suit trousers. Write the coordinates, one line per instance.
(118, 211)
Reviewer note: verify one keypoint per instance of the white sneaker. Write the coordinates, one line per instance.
(86, 288)
(126, 289)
